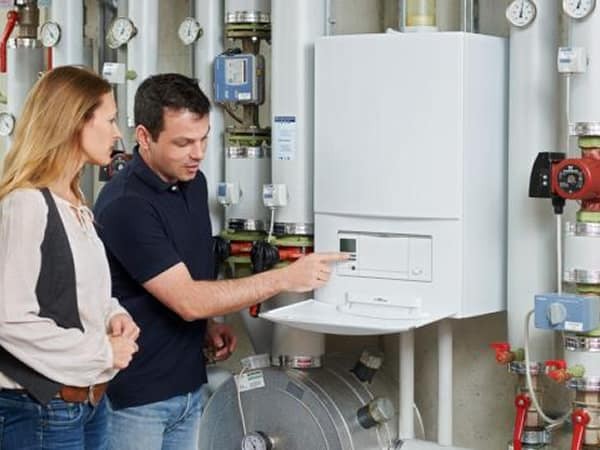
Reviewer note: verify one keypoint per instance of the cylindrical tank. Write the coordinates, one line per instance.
(533, 127)
(248, 167)
(296, 26)
(584, 86)
(290, 409)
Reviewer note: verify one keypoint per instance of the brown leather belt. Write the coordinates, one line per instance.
(74, 394)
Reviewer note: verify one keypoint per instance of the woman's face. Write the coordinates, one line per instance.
(100, 132)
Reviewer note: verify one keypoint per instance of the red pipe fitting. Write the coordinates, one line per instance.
(12, 17)
(580, 420)
(503, 353)
(557, 370)
(522, 403)
(240, 248)
(293, 253)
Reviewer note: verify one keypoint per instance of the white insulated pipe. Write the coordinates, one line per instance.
(585, 88)
(210, 15)
(142, 50)
(445, 383)
(406, 425)
(70, 48)
(24, 62)
(533, 128)
(296, 27)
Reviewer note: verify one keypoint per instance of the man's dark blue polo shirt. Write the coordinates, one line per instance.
(148, 226)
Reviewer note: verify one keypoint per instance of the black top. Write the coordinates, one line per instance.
(147, 227)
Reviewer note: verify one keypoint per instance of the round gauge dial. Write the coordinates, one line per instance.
(120, 32)
(521, 13)
(189, 31)
(578, 9)
(50, 34)
(7, 123)
(256, 441)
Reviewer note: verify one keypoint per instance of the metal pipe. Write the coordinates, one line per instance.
(445, 385)
(142, 50)
(533, 125)
(70, 48)
(406, 427)
(210, 45)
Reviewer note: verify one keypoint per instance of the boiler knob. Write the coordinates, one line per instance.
(367, 366)
(380, 410)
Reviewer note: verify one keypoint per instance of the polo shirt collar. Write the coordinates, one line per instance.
(147, 175)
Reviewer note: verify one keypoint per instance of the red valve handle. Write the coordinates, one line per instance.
(556, 364)
(503, 353)
(522, 402)
(580, 421)
(12, 17)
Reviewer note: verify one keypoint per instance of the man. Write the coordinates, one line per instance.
(154, 221)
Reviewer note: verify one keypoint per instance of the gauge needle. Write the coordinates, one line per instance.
(578, 4)
(522, 8)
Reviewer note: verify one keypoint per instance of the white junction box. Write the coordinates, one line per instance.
(410, 179)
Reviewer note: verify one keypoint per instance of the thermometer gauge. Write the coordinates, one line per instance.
(7, 123)
(120, 32)
(578, 9)
(256, 441)
(50, 34)
(189, 31)
(521, 13)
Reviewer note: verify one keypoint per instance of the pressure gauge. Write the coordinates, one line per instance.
(256, 441)
(521, 13)
(7, 123)
(50, 34)
(120, 32)
(189, 31)
(578, 9)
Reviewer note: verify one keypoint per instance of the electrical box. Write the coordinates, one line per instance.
(410, 179)
(567, 312)
(239, 78)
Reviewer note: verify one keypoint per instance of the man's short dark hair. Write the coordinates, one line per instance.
(167, 91)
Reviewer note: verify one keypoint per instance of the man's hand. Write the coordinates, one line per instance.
(220, 341)
(311, 272)
(123, 325)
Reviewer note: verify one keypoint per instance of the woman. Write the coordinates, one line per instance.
(62, 336)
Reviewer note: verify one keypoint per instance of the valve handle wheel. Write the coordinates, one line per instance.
(522, 403)
(580, 419)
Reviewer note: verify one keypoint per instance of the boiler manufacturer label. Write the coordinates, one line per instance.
(284, 138)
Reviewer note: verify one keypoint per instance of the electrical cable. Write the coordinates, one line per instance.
(532, 393)
(239, 399)
(559, 264)
(420, 420)
(271, 225)
(233, 115)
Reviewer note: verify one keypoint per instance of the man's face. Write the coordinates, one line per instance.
(180, 148)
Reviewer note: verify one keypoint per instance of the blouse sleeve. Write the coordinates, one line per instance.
(62, 354)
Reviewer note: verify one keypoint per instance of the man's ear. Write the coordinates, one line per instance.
(143, 137)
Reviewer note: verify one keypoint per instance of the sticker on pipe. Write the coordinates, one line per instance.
(250, 380)
(284, 138)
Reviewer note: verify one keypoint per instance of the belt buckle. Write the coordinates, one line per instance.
(91, 398)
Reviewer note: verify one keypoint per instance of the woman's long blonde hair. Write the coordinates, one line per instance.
(48, 132)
